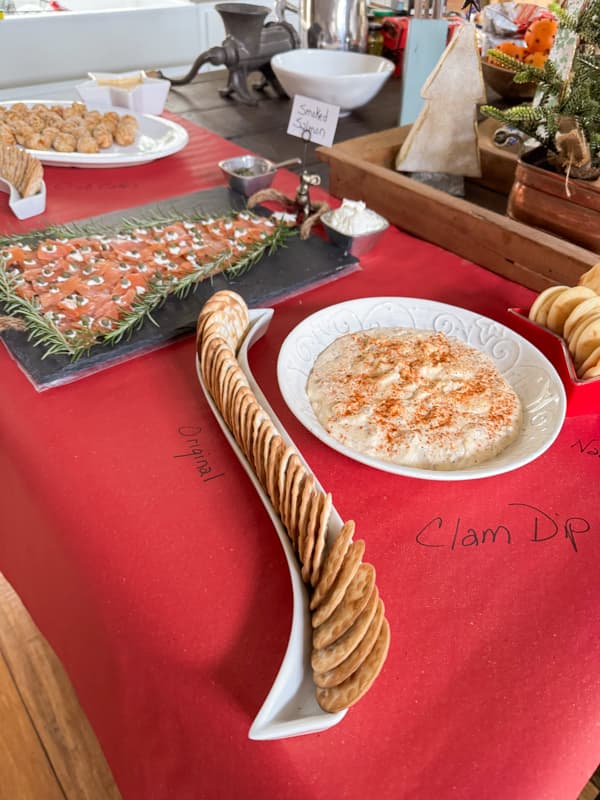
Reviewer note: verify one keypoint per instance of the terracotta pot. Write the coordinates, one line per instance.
(539, 198)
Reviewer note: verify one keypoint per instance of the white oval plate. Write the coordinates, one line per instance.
(157, 138)
(530, 374)
(290, 708)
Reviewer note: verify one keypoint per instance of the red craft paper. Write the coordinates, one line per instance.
(167, 597)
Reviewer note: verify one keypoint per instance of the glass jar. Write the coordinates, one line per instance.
(375, 39)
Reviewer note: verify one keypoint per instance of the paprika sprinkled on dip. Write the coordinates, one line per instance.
(412, 397)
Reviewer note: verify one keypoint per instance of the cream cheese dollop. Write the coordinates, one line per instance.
(354, 218)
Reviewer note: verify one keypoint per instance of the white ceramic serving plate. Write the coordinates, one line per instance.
(157, 138)
(340, 77)
(290, 708)
(530, 374)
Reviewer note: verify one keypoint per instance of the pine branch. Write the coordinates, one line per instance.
(574, 101)
(588, 27)
(504, 60)
(565, 18)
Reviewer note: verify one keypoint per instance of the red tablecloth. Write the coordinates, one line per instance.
(168, 599)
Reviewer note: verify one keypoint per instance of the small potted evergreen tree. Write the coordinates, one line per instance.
(556, 185)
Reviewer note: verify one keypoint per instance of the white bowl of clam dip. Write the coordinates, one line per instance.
(421, 388)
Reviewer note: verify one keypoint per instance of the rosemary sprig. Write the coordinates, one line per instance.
(76, 230)
(158, 291)
(42, 331)
(268, 246)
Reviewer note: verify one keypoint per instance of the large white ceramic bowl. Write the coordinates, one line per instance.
(345, 79)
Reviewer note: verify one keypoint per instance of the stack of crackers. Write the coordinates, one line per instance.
(351, 635)
(21, 170)
(573, 312)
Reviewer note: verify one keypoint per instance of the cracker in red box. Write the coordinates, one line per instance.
(564, 323)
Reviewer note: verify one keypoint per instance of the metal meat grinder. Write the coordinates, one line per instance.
(248, 47)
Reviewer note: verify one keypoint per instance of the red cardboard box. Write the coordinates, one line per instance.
(583, 397)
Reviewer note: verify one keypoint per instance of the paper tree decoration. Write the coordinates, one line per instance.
(444, 136)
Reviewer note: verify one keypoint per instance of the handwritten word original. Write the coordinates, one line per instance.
(532, 525)
(195, 452)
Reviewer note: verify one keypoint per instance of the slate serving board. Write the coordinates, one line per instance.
(291, 269)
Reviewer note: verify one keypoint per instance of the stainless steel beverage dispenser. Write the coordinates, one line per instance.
(330, 24)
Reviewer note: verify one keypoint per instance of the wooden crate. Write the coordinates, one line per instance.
(475, 227)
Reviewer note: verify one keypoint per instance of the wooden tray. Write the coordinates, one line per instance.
(475, 227)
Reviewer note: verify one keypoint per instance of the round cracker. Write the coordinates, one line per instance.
(296, 489)
(592, 372)
(282, 480)
(306, 500)
(591, 361)
(255, 416)
(539, 309)
(249, 410)
(320, 538)
(207, 316)
(238, 388)
(354, 600)
(211, 328)
(225, 366)
(275, 453)
(266, 428)
(592, 304)
(311, 534)
(336, 698)
(588, 340)
(591, 278)
(213, 356)
(230, 380)
(337, 675)
(345, 576)
(221, 315)
(233, 324)
(223, 299)
(270, 434)
(578, 329)
(230, 297)
(244, 400)
(332, 563)
(219, 354)
(329, 657)
(565, 302)
(291, 476)
(209, 346)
